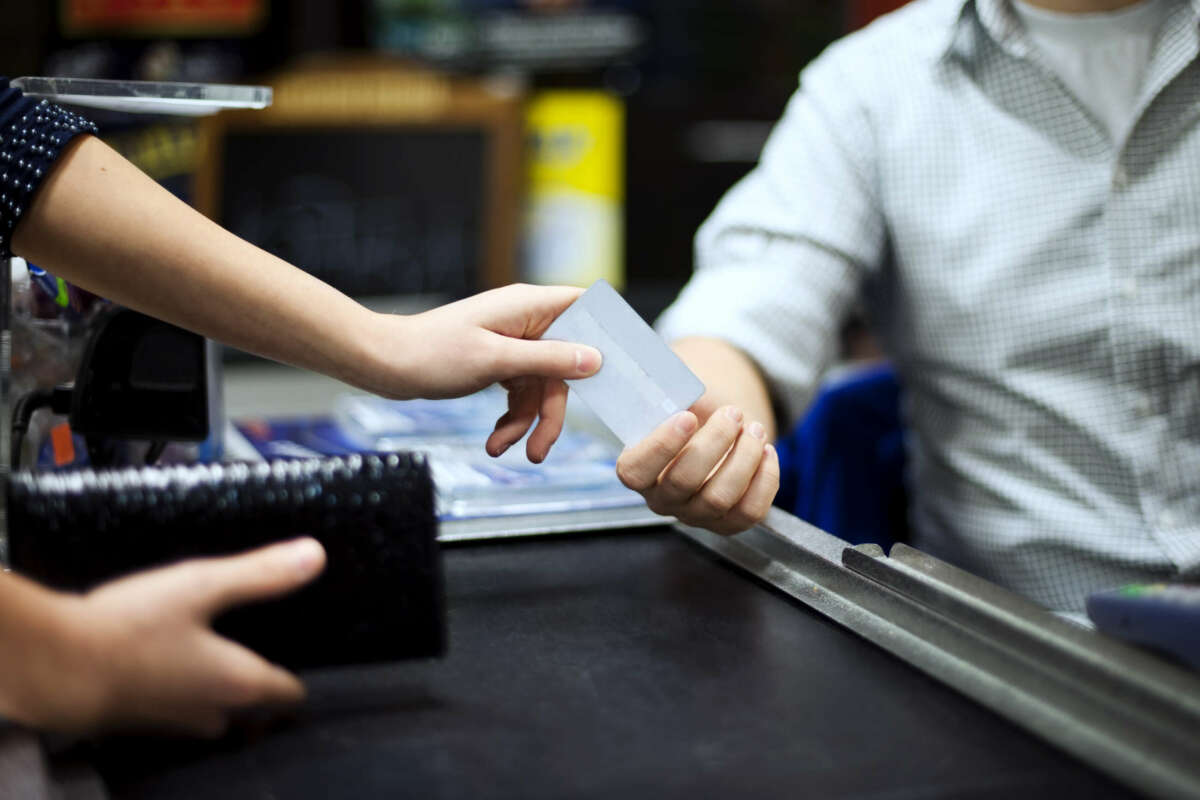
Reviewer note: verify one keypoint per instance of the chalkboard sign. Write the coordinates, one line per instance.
(378, 180)
(384, 211)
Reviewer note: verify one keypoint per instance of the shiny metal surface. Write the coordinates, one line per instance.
(599, 519)
(1128, 714)
(619, 665)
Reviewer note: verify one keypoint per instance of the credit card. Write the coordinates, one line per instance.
(641, 382)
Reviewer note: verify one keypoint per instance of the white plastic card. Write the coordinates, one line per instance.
(641, 382)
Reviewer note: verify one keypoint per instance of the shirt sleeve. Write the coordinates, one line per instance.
(781, 259)
(32, 134)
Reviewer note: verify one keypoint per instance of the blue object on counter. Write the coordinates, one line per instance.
(842, 466)
(1164, 616)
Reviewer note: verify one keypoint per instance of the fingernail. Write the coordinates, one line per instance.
(733, 413)
(685, 422)
(306, 555)
(757, 430)
(770, 448)
(587, 361)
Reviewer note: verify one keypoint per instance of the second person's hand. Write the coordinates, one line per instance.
(722, 475)
(492, 337)
(139, 652)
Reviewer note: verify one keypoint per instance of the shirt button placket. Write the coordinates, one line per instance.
(1120, 177)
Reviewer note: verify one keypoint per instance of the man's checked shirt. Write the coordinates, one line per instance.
(1036, 284)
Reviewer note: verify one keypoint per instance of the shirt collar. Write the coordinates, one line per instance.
(996, 19)
(1000, 22)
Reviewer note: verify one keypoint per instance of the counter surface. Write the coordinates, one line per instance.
(620, 665)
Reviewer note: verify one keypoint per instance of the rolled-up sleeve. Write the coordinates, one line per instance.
(782, 257)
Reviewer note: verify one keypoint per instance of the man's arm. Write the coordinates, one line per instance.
(778, 264)
(730, 378)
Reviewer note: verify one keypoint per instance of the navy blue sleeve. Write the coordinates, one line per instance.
(32, 134)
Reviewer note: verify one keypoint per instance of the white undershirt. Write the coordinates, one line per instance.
(1100, 57)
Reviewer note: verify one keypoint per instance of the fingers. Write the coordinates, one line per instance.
(529, 400)
(700, 457)
(203, 723)
(218, 583)
(225, 677)
(522, 310)
(725, 488)
(639, 466)
(518, 367)
(162, 664)
(722, 477)
(757, 499)
(524, 398)
(251, 680)
(550, 421)
(547, 359)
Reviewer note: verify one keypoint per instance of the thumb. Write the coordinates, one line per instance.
(220, 583)
(546, 359)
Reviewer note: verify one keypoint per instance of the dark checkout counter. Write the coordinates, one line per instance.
(649, 662)
(620, 664)
(618, 659)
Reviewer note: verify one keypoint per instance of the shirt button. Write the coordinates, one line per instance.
(1129, 288)
(1120, 177)
(1166, 519)
(1141, 407)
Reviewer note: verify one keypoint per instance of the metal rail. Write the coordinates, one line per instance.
(1128, 714)
(479, 529)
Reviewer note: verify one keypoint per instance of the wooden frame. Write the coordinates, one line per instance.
(375, 94)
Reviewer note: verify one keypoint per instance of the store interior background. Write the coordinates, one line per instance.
(697, 84)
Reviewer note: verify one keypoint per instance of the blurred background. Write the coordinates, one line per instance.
(432, 148)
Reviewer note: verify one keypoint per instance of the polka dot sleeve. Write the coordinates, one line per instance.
(32, 134)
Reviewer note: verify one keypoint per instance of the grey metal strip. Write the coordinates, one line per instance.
(1125, 713)
(1160, 691)
(544, 524)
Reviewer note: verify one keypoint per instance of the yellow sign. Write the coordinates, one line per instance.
(574, 231)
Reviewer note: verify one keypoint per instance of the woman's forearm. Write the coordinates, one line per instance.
(102, 224)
